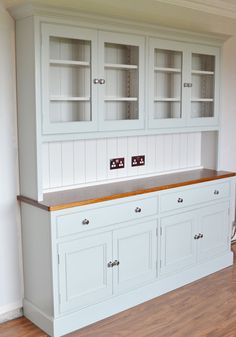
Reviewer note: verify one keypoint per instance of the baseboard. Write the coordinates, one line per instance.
(69, 322)
(12, 314)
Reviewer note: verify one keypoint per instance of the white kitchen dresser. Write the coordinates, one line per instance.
(92, 252)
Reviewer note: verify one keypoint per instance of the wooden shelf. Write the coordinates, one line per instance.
(69, 98)
(202, 100)
(166, 99)
(167, 70)
(120, 66)
(121, 99)
(70, 63)
(202, 72)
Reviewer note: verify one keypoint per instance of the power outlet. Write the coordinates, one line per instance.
(117, 163)
(137, 161)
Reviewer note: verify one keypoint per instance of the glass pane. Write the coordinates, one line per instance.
(167, 85)
(203, 83)
(167, 59)
(202, 109)
(69, 80)
(165, 110)
(121, 54)
(69, 112)
(202, 62)
(70, 49)
(121, 111)
(121, 82)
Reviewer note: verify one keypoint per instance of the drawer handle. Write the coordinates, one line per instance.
(138, 210)
(216, 192)
(85, 222)
(180, 200)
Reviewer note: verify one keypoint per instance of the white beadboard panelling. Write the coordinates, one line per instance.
(122, 151)
(79, 162)
(55, 164)
(46, 162)
(111, 153)
(102, 167)
(160, 153)
(132, 151)
(67, 152)
(142, 150)
(150, 159)
(82, 162)
(91, 160)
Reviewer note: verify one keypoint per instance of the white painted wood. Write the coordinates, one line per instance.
(37, 266)
(214, 227)
(82, 162)
(139, 267)
(84, 276)
(178, 247)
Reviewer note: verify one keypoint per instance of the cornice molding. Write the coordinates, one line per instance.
(216, 7)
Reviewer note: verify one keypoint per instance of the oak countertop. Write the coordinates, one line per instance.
(93, 194)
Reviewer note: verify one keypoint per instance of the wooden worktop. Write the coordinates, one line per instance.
(88, 195)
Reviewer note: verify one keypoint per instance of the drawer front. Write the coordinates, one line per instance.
(94, 218)
(180, 199)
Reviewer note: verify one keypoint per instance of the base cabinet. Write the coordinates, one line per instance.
(98, 260)
(193, 237)
(84, 278)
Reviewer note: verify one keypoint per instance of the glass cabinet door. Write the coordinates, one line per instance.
(67, 70)
(204, 84)
(121, 82)
(165, 84)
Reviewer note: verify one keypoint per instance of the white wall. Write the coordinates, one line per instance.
(227, 159)
(10, 255)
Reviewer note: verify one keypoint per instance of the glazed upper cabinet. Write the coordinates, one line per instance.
(91, 80)
(184, 84)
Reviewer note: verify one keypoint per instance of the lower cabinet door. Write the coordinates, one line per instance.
(135, 249)
(84, 276)
(214, 231)
(178, 242)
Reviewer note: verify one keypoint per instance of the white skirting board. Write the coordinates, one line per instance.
(73, 321)
(11, 314)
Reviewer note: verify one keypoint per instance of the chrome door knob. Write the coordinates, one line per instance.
(138, 210)
(110, 264)
(85, 222)
(180, 200)
(96, 81)
(102, 81)
(196, 236)
(216, 192)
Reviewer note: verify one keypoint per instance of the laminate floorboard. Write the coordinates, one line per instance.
(205, 308)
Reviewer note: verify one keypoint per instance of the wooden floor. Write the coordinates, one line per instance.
(206, 308)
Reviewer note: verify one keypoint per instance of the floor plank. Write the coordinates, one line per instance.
(205, 308)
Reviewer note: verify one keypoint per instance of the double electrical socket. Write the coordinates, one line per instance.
(118, 163)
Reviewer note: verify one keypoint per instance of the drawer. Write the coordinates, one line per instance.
(192, 196)
(102, 216)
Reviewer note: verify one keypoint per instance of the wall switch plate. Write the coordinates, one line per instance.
(137, 161)
(117, 163)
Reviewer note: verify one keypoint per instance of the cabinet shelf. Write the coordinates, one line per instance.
(120, 66)
(69, 98)
(168, 70)
(202, 100)
(166, 99)
(202, 72)
(121, 99)
(70, 63)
